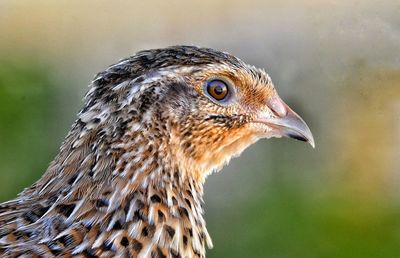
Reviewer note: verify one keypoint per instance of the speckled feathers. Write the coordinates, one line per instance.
(128, 180)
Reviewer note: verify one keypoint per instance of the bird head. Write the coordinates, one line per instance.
(129, 176)
(198, 105)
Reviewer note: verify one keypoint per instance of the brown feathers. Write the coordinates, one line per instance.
(128, 181)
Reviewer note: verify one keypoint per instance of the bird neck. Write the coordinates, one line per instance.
(136, 181)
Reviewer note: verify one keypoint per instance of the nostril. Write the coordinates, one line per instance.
(277, 106)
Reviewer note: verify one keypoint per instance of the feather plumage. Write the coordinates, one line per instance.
(128, 180)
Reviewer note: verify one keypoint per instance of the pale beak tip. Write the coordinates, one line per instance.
(305, 136)
(312, 143)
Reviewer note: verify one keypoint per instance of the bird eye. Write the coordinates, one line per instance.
(217, 89)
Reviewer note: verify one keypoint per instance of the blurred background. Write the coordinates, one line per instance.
(335, 62)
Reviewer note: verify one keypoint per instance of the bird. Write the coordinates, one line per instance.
(128, 178)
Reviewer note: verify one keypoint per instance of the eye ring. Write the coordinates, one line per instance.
(217, 89)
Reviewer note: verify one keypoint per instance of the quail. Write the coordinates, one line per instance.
(128, 179)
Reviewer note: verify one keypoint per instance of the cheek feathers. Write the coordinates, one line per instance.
(211, 149)
(255, 96)
(219, 154)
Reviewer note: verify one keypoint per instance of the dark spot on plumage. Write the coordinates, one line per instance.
(183, 212)
(136, 245)
(52, 225)
(65, 191)
(148, 231)
(86, 107)
(218, 118)
(30, 234)
(161, 216)
(91, 173)
(88, 226)
(55, 252)
(176, 176)
(96, 120)
(89, 254)
(111, 97)
(65, 209)
(100, 203)
(17, 234)
(120, 170)
(145, 232)
(155, 198)
(140, 204)
(124, 241)
(170, 231)
(117, 225)
(186, 145)
(113, 75)
(108, 192)
(202, 235)
(51, 200)
(100, 91)
(79, 123)
(174, 254)
(133, 113)
(66, 240)
(121, 129)
(196, 252)
(185, 240)
(100, 134)
(107, 245)
(146, 101)
(145, 60)
(190, 232)
(72, 180)
(157, 253)
(139, 163)
(127, 207)
(201, 241)
(112, 167)
(188, 202)
(39, 210)
(174, 201)
(187, 134)
(226, 121)
(189, 193)
(30, 217)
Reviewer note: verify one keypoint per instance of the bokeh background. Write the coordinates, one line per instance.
(336, 62)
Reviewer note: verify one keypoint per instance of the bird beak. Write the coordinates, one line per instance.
(287, 123)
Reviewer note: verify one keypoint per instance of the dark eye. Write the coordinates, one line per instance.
(217, 89)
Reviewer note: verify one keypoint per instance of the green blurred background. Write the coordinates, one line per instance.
(336, 62)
